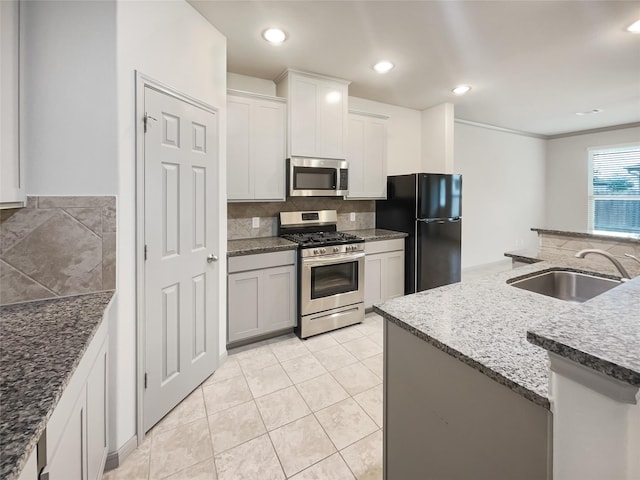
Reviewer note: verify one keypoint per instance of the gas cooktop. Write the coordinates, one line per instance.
(316, 239)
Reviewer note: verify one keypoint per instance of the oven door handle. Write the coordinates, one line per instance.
(333, 259)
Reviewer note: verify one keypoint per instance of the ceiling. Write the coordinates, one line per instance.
(532, 64)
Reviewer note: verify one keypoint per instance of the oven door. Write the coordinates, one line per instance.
(331, 281)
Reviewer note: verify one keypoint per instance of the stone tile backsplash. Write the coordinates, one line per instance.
(239, 221)
(57, 246)
(567, 245)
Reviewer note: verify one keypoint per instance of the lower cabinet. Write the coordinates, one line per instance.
(383, 271)
(261, 294)
(76, 434)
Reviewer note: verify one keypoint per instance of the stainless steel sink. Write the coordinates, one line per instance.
(566, 285)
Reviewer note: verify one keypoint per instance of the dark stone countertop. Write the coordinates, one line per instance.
(41, 344)
(375, 234)
(484, 323)
(250, 246)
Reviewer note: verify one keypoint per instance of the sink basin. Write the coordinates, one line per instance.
(566, 285)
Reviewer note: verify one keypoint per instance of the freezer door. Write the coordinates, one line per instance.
(439, 195)
(438, 259)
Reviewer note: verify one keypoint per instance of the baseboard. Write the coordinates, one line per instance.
(222, 357)
(115, 459)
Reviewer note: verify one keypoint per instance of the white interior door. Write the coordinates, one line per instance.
(181, 226)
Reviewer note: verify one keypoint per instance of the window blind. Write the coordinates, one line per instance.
(615, 189)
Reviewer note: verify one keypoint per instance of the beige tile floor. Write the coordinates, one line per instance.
(283, 408)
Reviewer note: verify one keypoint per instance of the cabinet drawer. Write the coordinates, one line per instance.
(261, 260)
(380, 246)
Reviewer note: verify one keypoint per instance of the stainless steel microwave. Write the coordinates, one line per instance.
(317, 177)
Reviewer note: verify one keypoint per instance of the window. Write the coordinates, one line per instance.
(614, 190)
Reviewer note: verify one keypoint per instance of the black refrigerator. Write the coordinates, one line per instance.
(428, 207)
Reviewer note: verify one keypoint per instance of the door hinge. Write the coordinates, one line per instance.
(145, 252)
(146, 378)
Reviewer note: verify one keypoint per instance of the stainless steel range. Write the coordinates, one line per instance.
(330, 271)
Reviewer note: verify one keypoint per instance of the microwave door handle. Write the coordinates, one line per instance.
(333, 259)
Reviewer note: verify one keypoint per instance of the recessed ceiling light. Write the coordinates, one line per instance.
(461, 89)
(634, 27)
(383, 66)
(275, 36)
(590, 112)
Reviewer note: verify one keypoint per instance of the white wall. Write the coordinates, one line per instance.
(403, 134)
(172, 43)
(69, 143)
(568, 175)
(503, 191)
(438, 139)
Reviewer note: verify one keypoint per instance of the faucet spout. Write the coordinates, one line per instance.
(623, 272)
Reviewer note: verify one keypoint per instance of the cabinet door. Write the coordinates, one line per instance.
(244, 305)
(373, 274)
(394, 275)
(267, 150)
(279, 299)
(355, 156)
(239, 174)
(375, 158)
(367, 155)
(97, 416)
(303, 122)
(11, 181)
(68, 461)
(332, 120)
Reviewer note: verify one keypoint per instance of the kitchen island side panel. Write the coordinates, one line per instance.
(445, 420)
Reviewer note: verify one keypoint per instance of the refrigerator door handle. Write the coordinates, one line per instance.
(454, 219)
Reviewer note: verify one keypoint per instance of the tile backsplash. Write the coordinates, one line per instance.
(57, 246)
(239, 215)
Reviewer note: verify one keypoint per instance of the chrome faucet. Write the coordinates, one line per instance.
(632, 256)
(623, 272)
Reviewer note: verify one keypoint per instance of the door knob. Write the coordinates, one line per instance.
(212, 258)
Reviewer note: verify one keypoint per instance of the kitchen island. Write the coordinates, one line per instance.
(466, 395)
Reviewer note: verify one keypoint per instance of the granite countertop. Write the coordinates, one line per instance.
(250, 246)
(40, 347)
(602, 333)
(374, 234)
(595, 234)
(484, 323)
(591, 263)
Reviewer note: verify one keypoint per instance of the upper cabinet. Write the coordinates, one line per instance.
(12, 192)
(367, 155)
(317, 114)
(255, 147)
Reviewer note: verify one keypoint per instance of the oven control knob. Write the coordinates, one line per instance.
(324, 250)
(336, 249)
(316, 252)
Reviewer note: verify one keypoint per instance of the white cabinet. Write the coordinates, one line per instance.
(383, 270)
(76, 434)
(367, 155)
(255, 147)
(262, 294)
(317, 114)
(12, 193)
